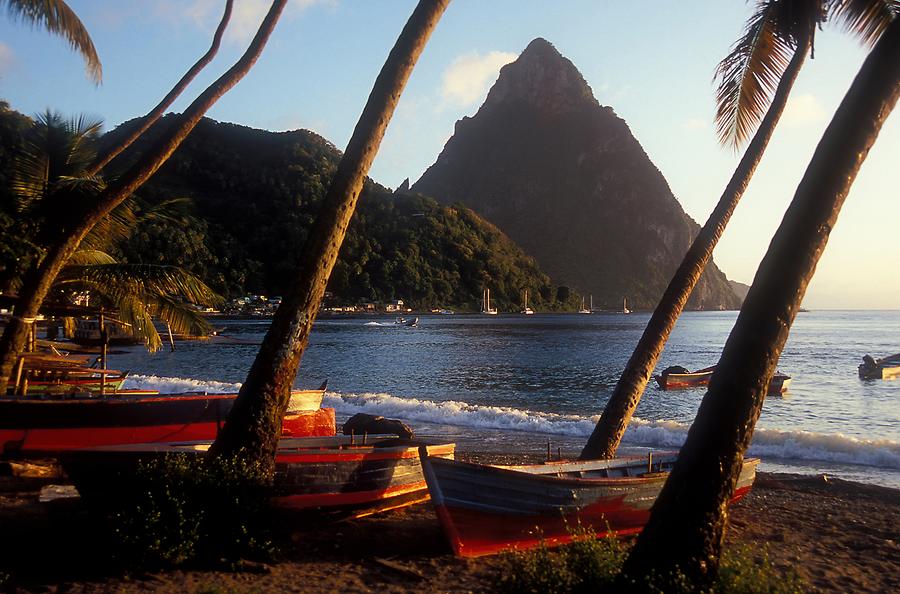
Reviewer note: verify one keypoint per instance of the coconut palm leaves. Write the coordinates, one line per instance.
(749, 75)
(140, 292)
(866, 19)
(57, 18)
(50, 186)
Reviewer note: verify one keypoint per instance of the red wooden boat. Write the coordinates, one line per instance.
(41, 373)
(487, 509)
(336, 474)
(679, 378)
(31, 427)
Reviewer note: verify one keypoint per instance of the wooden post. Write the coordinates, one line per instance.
(104, 341)
(171, 338)
(19, 367)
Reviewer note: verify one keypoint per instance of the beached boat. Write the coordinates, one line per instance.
(884, 368)
(487, 509)
(325, 474)
(31, 427)
(50, 373)
(679, 378)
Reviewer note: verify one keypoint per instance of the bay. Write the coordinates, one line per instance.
(517, 383)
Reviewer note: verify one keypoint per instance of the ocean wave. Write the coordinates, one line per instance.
(181, 385)
(771, 444)
(178, 385)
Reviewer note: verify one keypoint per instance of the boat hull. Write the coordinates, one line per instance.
(699, 379)
(323, 474)
(485, 509)
(31, 427)
(884, 368)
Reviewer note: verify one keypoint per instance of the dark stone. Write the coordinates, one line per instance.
(361, 423)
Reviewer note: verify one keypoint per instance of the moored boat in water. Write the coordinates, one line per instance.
(679, 378)
(884, 368)
(340, 474)
(32, 427)
(487, 509)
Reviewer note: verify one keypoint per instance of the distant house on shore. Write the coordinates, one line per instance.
(394, 306)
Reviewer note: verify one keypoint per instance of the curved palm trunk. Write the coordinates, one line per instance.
(254, 423)
(149, 119)
(607, 435)
(687, 525)
(41, 277)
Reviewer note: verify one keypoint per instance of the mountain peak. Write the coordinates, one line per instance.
(541, 47)
(565, 178)
(544, 78)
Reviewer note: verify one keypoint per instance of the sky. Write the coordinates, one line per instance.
(652, 62)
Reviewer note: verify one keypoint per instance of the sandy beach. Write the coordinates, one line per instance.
(841, 536)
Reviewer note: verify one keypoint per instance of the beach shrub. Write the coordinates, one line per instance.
(584, 565)
(593, 565)
(180, 509)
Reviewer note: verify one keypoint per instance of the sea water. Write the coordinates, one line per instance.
(532, 383)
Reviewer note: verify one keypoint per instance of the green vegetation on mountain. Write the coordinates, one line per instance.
(253, 195)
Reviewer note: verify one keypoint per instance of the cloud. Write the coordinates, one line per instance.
(246, 15)
(694, 124)
(802, 110)
(7, 58)
(467, 79)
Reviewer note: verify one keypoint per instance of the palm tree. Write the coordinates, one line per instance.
(139, 293)
(38, 280)
(687, 525)
(49, 183)
(768, 57)
(149, 119)
(59, 19)
(254, 423)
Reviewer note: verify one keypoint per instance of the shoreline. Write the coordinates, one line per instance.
(840, 535)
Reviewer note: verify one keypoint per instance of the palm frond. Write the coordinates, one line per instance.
(134, 312)
(866, 19)
(114, 228)
(171, 210)
(149, 280)
(181, 317)
(749, 75)
(84, 257)
(54, 150)
(59, 19)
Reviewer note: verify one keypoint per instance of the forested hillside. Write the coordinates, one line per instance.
(251, 197)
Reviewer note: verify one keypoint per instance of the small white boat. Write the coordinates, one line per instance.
(583, 310)
(486, 304)
(525, 309)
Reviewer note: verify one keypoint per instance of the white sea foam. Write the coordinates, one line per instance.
(178, 385)
(772, 444)
(768, 443)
